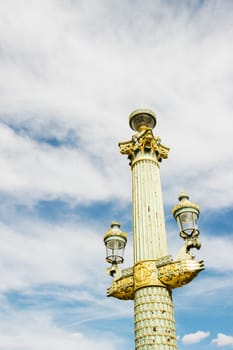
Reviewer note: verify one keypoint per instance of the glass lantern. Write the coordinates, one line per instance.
(186, 214)
(115, 242)
(142, 119)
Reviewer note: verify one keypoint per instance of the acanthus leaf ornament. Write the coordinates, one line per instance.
(144, 142)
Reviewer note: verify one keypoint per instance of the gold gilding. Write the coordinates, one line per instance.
(145, 143)
(122, 288)
(179, 273)
(146, 274)
(115, 232)
(184, 203)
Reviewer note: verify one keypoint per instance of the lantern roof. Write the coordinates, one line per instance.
(185, 203)
(114, 230)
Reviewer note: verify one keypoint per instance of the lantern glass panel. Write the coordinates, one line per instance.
(141, 120)
(188, 222)
(115, 250)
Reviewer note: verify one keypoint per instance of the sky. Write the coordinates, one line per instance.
(71, 72)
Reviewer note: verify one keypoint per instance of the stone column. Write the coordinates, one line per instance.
(153, 307)
(149, 235)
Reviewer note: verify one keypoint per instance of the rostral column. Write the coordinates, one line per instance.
(154, 274)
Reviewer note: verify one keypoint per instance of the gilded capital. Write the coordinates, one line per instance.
(144, 144)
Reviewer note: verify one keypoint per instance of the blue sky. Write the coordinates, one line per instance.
(71, 73)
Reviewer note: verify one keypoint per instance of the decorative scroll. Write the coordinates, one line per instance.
(190, 242)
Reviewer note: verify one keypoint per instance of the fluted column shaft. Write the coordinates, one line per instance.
(153, 306)
(149, 235)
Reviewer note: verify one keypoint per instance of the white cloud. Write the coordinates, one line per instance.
(73, 72)
(38, 257)
(223, 340)
(63, 262)
(34, 171)
(217, 252)
(36, 331)
(51, 254)
(194, 338)
(71, 67)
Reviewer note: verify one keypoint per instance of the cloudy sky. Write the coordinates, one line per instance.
(71, 71)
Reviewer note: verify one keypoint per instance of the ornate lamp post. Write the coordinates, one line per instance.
(154, 274)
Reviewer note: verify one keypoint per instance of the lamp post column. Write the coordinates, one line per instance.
(149, 282)
(153, 307)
